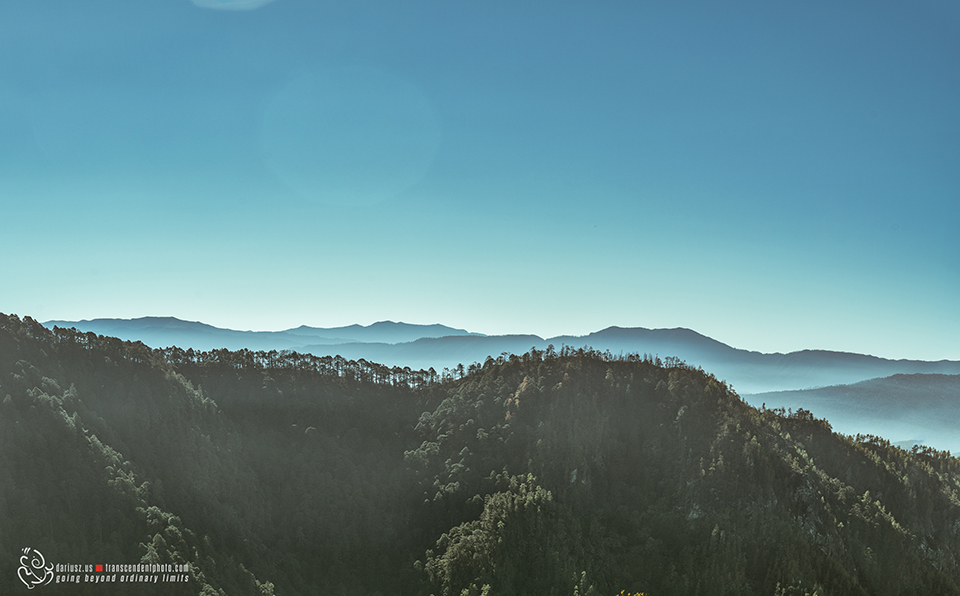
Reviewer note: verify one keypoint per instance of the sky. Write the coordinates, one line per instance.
(776, 175)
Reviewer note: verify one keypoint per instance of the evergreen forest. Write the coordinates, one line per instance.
(557, 472)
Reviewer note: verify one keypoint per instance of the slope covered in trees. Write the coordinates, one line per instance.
(545, 473)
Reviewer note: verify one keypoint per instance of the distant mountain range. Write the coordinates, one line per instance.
(162, 332)
(908, 409)
(439, 346)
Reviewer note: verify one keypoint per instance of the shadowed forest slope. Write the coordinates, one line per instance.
(542, 473)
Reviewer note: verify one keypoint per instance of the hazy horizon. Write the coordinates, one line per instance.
(469, 332)
(776, 177)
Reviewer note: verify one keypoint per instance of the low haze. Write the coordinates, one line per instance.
(776, 176)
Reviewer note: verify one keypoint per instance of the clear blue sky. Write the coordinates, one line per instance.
(777, 175)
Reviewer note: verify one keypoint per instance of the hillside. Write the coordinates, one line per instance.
(543, 473)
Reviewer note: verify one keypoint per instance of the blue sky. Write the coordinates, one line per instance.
(776, 175)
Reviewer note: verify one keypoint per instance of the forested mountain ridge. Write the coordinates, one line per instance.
(439, 346)
(543, 473)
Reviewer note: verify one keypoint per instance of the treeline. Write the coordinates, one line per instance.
(551, 472)
(327, 366)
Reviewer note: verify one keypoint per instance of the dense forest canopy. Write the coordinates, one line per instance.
(550, 472)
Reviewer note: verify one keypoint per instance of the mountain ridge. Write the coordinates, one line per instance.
(162, 332)
(438, 346)
(920, 406)
(557, 472)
